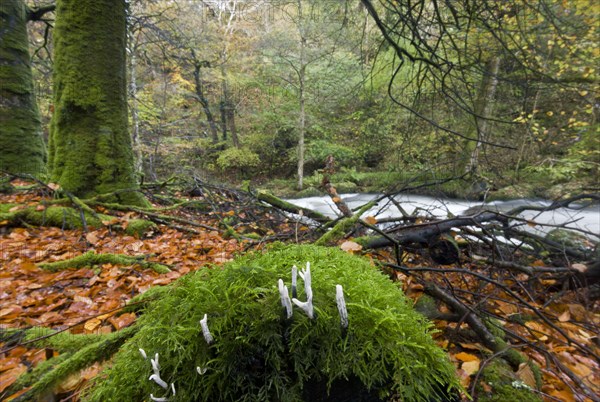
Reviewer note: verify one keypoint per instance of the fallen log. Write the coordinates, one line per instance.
(289, 207)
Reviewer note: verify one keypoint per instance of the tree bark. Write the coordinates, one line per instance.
(301, 99)
(483, 110)
(135, 120)
(90, 146)
(21, 142)
(203, 101)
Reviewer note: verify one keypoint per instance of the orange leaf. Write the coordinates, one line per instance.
(9, 377)
(466, 357)
(92, 324)
(123, 320)
(371, 220)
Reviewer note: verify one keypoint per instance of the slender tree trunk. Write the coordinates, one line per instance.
(135, 120)
(229, 110)
(204, 102)
(90, 146)
(223, 112)
(21, 143)
(301, 99)
(483, 110)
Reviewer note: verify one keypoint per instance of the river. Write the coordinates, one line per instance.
(584, 217)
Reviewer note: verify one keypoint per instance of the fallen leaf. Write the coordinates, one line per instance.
(471, 367)
(123, 320)
(371, 220)
(565, 316)
(466, 357)
(9, 377)
(91, 325)
(526, 375)
(351, 247)
(92, 238)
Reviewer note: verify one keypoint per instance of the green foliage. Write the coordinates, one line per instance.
(317, 152)
(237, 159)
(259, 355)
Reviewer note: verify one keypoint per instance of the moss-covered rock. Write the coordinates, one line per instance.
(259, 355)
(498, 383)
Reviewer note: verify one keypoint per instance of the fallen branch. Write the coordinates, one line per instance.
(289, 207)
(90, 258)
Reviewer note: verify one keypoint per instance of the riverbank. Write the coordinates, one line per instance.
(434, 185)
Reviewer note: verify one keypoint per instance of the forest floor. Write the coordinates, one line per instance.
(88, 300)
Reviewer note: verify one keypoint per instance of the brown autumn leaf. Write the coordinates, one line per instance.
(371, 220)
(113, 221)
(351, 247)
(92, 238)
(9, 377)
(537, 330)
(565, 316)
(526, 375)
(91, 325)
(471, 367)
(579, 267)
(122, 321)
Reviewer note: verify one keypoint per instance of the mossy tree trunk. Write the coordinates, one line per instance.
(21, 142)
(90, 146)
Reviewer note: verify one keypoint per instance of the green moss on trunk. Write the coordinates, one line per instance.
(21, 143)
(90, 146)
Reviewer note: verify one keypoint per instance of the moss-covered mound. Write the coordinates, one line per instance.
(258, 354)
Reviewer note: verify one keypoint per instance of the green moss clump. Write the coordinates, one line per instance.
(62, 217)
(139, 227)
(505, 385)
(259, 355)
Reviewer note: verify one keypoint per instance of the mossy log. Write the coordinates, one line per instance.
(62, 217)
(343, 226)
(90, 259)
(66, 218)
(49, 375)
(289, 207)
